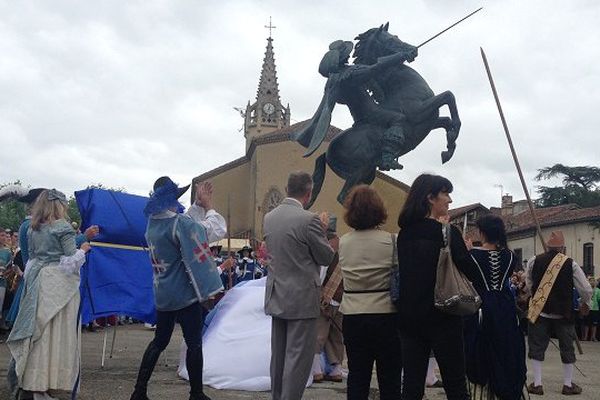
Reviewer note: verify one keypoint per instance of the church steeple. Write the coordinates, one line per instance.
(267, 113)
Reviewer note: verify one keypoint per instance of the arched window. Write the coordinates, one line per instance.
(588, 256)
(272, 199)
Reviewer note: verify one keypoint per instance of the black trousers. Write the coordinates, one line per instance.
(190, 318)
(444, 335)
(373, 338)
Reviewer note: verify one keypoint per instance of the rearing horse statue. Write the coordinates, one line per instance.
(393, 108)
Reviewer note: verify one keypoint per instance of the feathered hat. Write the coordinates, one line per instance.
(19, 193)
(164, 196)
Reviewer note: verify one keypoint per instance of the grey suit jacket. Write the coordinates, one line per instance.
(298, 247)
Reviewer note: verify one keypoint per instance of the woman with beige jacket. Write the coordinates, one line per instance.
(370, 321)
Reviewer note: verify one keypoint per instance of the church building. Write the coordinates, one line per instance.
(247, 188)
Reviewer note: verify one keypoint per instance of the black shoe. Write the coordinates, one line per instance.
(136, 396)
(149, 361)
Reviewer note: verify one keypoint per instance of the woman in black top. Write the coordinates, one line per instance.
(422, 327)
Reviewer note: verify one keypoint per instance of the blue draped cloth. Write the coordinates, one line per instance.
(116, 280)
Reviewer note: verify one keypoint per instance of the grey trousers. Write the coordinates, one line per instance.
(292, 353)
(538, 338)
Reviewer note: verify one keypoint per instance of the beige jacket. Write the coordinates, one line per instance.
(366, 260)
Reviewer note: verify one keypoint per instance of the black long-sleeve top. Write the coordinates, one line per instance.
(418, 251)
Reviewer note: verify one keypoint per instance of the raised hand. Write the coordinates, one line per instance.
(204, 192)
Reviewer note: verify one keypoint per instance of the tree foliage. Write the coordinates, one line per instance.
(580, 186)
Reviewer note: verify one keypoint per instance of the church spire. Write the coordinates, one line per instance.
(268, 88)
(267, 113)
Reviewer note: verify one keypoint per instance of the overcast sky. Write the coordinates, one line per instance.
(120, 93)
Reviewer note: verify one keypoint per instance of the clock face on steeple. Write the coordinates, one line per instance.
(269, 108)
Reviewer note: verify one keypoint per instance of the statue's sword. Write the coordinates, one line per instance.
(448, 28)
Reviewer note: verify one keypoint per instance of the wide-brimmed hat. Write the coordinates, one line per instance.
(556, 240)
(164, 196)
(338, 50)
(245, 248)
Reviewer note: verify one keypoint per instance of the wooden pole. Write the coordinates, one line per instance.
(230, 274)
(512, 149)
(515, 158)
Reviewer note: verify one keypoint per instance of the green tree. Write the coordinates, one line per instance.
(12, 212)
(580, 186)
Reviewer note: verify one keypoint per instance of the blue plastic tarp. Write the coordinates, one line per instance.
(116, 280)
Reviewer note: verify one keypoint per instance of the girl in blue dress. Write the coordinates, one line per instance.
(494, 343)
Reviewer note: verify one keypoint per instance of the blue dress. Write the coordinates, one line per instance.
(494, 343)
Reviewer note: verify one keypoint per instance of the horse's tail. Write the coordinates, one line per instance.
(318, 177)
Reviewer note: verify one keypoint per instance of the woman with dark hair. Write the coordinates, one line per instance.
(494, 342)
(370, 323)
(423, 327)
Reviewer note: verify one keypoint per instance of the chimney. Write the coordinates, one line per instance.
(507, 205)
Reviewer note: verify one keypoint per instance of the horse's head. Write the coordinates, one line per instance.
(375, 43)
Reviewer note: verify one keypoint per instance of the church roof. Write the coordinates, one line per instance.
(460, 211)
(283, 135)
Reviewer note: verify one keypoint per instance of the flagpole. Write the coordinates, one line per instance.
(230, 274)
(512, 150)
(516, 159)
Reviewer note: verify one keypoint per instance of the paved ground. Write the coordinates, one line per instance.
(115, 381)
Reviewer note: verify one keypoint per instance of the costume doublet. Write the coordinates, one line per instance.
(176, 241)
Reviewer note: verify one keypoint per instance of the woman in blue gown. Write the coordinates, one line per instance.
(494, 343)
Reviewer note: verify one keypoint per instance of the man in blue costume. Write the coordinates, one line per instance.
(184, 275)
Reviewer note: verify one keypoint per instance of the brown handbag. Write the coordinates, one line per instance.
(453, 294)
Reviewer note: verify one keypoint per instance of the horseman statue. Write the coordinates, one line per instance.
(393, 108)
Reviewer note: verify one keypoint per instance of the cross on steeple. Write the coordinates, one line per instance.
(270, 27)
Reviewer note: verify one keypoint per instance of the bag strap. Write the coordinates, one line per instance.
(446, 234)
(538, 301)
(394, 251)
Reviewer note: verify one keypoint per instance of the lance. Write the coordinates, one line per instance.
(517, 165)
(229, 274)
(450, 27)
(512, 149)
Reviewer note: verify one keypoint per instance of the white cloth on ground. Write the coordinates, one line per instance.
(236, 344)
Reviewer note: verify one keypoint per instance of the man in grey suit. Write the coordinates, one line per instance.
(297, 243)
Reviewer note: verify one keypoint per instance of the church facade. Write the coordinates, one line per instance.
(247, 188)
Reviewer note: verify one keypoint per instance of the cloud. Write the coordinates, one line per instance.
(121, 93)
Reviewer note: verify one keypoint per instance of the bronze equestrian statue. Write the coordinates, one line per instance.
(393, 109)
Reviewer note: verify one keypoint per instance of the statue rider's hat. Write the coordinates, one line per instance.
(338, 50)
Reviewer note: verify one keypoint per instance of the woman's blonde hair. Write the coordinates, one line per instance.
(45, 211)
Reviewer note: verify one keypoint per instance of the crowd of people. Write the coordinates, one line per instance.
(328, 297)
